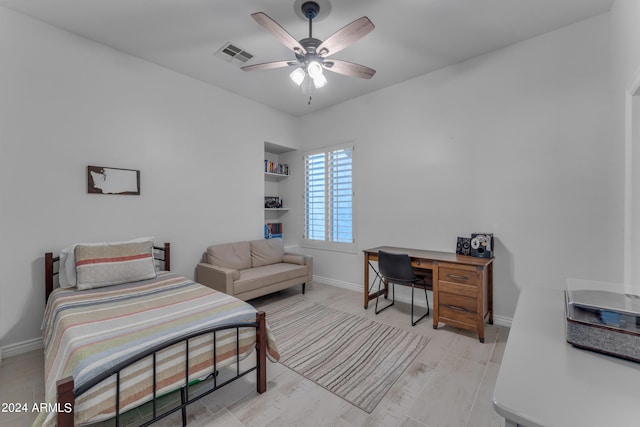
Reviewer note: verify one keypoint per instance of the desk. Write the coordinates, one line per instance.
(462, 285)
(544, 381)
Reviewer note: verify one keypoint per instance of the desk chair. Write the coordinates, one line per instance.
(396, 268)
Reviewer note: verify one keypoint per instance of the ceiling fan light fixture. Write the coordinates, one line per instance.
(297, 76)
(314, 69)
(319, 81)
(311, 52)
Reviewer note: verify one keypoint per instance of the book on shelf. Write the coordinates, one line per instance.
(276, 168)
(272, 230)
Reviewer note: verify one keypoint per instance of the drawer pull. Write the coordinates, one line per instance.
(457, 277)
(455, 307)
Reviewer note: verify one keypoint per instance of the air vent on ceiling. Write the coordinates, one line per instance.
(231, 53)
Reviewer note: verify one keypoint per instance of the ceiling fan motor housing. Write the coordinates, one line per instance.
(310, 44)
(310, 9)
(310, 51)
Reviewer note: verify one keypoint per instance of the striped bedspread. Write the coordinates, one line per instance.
(88, 332)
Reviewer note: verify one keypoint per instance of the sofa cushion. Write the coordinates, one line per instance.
(236, 256)
(266, 252)
(258, 277)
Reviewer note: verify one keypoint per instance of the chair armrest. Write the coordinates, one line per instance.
(218, 278)
(293, 258)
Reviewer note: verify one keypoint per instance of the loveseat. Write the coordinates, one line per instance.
(254, 268)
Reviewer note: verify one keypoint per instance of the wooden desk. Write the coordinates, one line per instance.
(544, 381)
(462, 285)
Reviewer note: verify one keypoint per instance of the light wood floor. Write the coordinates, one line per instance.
(449, 384)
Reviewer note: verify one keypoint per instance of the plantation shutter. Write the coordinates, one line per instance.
(329, 196)
(341, 196)
(314, 170)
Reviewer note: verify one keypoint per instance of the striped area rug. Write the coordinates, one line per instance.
(354, 358)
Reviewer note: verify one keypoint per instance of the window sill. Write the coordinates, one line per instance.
(349, 248)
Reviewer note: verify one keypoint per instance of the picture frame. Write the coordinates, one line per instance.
(272, 202)
(108, 180)
(463, 246)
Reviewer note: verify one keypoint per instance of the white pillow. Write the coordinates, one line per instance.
(67, 267)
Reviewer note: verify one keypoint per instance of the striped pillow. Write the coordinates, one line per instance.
(113, 264)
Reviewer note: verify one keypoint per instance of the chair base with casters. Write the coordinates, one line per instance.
(396, 269)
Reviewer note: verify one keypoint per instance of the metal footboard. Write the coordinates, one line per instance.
(67, 395)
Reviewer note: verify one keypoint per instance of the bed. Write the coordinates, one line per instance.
(111, 348)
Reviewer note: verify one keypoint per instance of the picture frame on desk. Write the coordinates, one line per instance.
(463, 246)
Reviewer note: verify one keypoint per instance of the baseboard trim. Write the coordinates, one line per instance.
(502, 321)
(338, 283)
(21, 347)
(357, 287)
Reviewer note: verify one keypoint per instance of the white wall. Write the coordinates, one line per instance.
(516, 142)
(625, 52)
(520, 142)
(67, 103)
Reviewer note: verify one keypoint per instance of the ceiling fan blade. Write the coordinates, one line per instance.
(269, 65)
(345, 36)
(280, 33)
(348, 68)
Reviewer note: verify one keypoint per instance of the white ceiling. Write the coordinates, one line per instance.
(411, 38)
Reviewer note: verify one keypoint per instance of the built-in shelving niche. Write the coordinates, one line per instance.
(276, 169)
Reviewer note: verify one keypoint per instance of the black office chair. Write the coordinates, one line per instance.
(396, 268)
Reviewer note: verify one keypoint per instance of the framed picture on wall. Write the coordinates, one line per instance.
(105, 180)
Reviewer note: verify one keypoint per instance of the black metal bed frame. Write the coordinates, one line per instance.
(65, 387)
(184, 390)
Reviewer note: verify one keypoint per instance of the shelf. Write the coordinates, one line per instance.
(270, 147)
(276, 209)
(276, 176)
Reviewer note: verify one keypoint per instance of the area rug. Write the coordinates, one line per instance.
(355, 358)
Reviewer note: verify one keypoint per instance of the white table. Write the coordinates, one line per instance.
(544, 381)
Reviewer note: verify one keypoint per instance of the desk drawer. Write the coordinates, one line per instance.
(456, 275)
(470, 291)
(457, 302)
(421, 263)
(459, 318)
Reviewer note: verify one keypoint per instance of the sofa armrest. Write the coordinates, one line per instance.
(218, 278)
(293, 258)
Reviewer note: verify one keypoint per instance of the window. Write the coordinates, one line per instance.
(328, 199)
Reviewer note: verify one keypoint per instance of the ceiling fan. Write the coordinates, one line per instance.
(311, 53)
